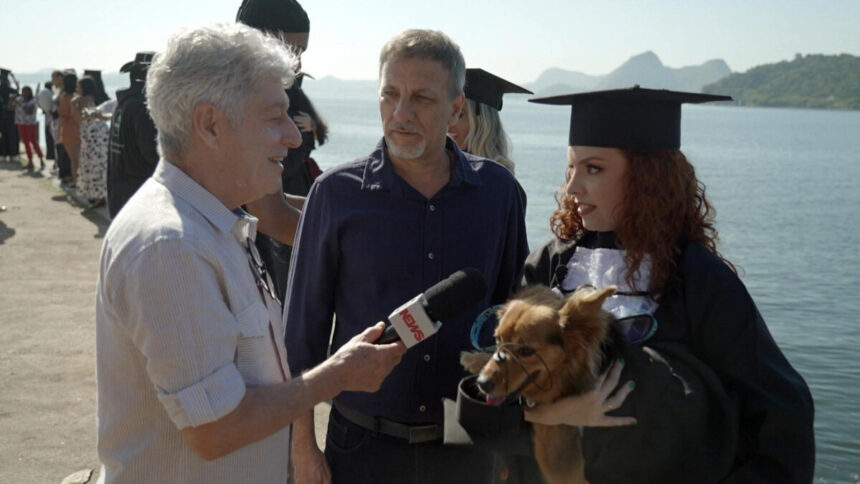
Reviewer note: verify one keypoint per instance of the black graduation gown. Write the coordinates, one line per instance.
(296, 179)
(132, 151)
(9, 141)
(707, 310)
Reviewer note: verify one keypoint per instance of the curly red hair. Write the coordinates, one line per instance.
(664, 208)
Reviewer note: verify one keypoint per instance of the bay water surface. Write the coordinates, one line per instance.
(786, 187)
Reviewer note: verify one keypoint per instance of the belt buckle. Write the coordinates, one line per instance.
(423, 433)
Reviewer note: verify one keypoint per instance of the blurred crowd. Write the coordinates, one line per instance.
(76, 113)
(103, 148)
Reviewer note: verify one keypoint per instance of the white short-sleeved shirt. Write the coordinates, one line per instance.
(20, 116)
(182, 329)
(45, 100)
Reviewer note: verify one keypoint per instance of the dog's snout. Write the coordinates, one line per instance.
(485, 384)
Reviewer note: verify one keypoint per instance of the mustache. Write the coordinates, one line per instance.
(407, 127)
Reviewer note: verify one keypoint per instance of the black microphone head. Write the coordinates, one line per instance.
(451, 296)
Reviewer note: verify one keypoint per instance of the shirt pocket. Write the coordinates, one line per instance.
(254, 348)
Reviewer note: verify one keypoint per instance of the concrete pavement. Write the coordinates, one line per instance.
(49, 250)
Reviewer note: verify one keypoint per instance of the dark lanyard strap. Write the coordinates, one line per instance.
(258, 269)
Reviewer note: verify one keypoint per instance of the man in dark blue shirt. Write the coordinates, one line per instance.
(379, 230)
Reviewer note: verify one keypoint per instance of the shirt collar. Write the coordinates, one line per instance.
(238, 222)
(379, 172)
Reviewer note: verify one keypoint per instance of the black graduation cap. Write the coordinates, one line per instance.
(471, 422)
(141, 59)
(96, 75)
(486, 88)
(633, 118)
(279, 15)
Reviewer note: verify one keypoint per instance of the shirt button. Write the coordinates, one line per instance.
(422, 408)
(426, 357)
(432, 207)
(431, 256)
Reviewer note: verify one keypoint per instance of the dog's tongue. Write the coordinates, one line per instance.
(494, 401)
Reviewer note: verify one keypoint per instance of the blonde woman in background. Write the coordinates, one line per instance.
(480, 131)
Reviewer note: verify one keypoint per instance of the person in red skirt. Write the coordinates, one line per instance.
(25, 120)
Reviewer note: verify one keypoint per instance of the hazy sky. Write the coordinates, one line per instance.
(516, 39)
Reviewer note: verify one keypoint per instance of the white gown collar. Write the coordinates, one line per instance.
(605, 267)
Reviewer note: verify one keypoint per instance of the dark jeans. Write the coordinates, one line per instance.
(9, 142)
(49, 142)
(64, 163)
(357, 456)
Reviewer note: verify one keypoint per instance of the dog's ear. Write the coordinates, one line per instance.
(500, 312)
(585, 301)
(594, 299)
(473, 361)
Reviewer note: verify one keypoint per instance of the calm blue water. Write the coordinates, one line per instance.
(786, 185)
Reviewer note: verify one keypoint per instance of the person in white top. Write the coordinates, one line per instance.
(45, 101)
(192, 372)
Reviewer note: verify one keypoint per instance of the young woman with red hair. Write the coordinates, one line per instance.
(633, 214)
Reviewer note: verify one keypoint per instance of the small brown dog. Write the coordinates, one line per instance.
(548, 347)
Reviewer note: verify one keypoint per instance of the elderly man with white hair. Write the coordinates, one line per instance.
(193, 379)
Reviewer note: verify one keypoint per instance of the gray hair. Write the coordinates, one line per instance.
(218, 64)
(430, 45)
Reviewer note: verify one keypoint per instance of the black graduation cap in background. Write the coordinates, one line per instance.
(138, 67)
(279, 15)
(486, 88)
(633, 118)
(141, 59)
(96, 75)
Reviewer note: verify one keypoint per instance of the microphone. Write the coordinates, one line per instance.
(421, 317)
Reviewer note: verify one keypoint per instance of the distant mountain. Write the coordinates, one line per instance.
(811, 81)
(644, 69)
(559, 81)
(112, 80)
(32, 78)
(647, 70)
(703, 74)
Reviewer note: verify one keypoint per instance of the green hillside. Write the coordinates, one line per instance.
(811, 81)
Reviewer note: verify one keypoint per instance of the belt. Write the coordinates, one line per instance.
(414, 434)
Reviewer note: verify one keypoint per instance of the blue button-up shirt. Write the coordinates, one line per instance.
(368, 242)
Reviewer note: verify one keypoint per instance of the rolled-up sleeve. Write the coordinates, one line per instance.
(207, 400)
(177, 317)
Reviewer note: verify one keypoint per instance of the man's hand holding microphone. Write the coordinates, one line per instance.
(360, 365)
(364, 361)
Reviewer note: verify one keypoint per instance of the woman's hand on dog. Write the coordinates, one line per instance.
(588, 409)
